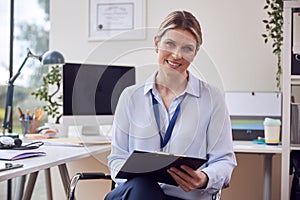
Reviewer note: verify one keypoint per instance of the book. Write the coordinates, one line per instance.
(9, 154)
(155, 165)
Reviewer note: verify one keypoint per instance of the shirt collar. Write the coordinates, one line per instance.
(193, 86)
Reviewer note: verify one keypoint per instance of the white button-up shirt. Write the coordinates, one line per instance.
(202, 130)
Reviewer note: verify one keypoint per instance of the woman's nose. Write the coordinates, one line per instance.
(176, 53)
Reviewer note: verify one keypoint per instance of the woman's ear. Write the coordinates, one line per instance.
(156, 44)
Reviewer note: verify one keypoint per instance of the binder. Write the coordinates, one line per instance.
(296, 32)
(295, 123)
(296, 43)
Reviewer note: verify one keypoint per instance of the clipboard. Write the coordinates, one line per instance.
(155, 165)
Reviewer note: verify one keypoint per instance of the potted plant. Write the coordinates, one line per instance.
(52, 97)
(274, 29)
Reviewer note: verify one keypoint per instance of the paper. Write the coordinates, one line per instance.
(8, 154)
(155, 165)
(73, 142)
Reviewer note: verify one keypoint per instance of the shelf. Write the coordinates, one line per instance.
(295, 79)
(250, 147)
(295, 147)
(288, 82)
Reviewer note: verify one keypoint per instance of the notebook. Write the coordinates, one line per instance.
(8, 154)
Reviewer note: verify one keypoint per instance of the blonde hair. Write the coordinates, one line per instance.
(182, 20)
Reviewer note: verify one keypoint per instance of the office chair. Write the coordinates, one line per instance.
(100, 175)
(86, 176)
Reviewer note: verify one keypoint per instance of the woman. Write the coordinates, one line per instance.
(201, 122)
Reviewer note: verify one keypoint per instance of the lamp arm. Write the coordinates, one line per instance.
(29, 55)
(7, 123)
(12, 79)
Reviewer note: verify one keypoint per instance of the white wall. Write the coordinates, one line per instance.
(233, 55)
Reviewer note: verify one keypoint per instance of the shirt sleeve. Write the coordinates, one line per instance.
(119, 147)
(221, 157)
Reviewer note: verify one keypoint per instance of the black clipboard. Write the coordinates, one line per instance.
(155, 165)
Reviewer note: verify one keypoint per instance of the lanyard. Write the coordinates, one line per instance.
(165, 140)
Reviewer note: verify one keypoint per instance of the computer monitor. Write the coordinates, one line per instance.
(91, 93)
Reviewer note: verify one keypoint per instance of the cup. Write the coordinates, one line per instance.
(272, 131)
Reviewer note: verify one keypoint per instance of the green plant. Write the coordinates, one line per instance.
(274, 29)
(54, 100)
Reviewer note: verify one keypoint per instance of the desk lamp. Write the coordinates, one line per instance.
(48, 58)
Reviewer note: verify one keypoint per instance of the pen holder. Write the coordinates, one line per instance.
(26, 126)
(29, 126)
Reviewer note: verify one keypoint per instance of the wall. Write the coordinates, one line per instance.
(233, 57)
(231, 32)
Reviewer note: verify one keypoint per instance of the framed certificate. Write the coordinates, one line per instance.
(117, 20)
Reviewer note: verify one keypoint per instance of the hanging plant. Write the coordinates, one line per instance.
(274, 32)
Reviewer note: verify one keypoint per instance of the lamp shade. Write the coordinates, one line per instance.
(52, 58)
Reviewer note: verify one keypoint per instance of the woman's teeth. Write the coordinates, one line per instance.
(173, 64)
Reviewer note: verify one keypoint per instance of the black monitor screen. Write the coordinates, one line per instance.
(92, 89)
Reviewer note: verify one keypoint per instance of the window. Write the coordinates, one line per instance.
(31, 30)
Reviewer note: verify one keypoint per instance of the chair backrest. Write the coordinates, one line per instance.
(86, 176)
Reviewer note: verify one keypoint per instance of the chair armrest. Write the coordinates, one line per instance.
(84, 176)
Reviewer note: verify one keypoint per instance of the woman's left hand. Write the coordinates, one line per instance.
(187, 178)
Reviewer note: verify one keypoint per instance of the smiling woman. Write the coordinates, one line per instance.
(173, 112)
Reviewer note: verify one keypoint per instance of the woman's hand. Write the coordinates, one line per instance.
(187, 178)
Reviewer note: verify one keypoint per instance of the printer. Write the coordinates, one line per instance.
(249, 109)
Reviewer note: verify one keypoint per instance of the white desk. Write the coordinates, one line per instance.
(59, 156)
(268, 151)
(56, 156)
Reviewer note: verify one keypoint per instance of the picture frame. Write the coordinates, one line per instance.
(117, 20)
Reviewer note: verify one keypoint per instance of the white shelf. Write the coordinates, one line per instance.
(288, 81)
(295, 147)
(295, 79)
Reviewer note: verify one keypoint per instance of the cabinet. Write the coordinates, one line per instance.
(289, 80)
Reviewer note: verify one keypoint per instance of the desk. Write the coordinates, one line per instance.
(268, 151)
(59, 156)
(55, 156)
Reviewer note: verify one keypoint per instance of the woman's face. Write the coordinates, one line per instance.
(176, 49)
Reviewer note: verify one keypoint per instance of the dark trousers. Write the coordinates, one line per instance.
(138, 188)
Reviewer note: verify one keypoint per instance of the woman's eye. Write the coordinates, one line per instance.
(188, 49)
(170, 44)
